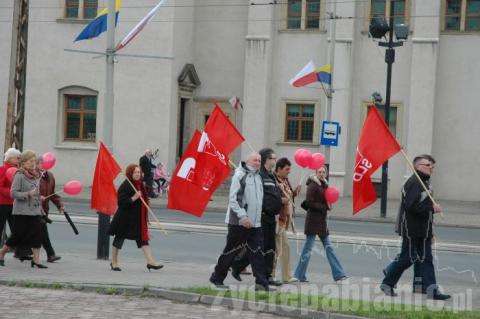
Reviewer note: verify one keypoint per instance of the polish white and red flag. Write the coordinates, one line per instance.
(139, 27)
(235, 102)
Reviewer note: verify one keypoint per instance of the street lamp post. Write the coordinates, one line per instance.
(378, 29)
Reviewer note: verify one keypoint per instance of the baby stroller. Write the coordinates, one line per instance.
(161, 181)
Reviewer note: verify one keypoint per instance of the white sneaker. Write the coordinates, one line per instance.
(291, 280)
(342, 280)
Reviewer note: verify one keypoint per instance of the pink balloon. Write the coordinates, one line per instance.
(72, 187)
(297, 155)
(305, 158)
(48, 160)
(10, 172)
(332, 194)
(318, 160)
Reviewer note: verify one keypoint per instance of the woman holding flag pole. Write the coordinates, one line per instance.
(131, 218)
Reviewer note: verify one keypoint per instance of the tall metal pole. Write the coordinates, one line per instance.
(103, 240)
(331, 55)
(389, 59)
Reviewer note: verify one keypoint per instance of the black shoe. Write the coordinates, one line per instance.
(273, 282)
(115, 268)
(156, 267)
(53, 258)
(218, 284)
(2, 263)
(388, 290)
(33, 264)
(23, 258)
(437, 295)
(236, 275)
(259, 287)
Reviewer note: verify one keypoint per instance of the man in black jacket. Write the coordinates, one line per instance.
(145, 163)
(415, 226)
(272, 203)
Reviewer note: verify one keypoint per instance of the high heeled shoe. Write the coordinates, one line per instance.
(2, 262)
(156, 267)
(115, 268)
(33, 264)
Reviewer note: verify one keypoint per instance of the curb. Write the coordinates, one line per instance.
(184, 297)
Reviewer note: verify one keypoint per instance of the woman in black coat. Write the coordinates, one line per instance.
(131, 219)
(316, 225)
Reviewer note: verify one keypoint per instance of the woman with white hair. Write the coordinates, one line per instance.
(27, 212)
(11, 159)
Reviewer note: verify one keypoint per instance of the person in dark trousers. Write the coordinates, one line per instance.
(131, 219)
(146, 166)
(47, 191)
(271, 206)
(415, 226)
(244, 224)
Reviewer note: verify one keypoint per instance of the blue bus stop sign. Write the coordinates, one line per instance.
(330, 132)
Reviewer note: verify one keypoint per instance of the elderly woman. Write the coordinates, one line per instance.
(131, 219)
(12, 157)
(316, 225)
(27, 211)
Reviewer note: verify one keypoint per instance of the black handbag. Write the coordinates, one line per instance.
(304, 205)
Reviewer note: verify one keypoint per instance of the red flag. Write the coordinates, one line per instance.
(183, 194)
(376, 145)
(221, 131)
(104, 193)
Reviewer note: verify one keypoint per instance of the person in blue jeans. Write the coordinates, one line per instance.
(316, 225)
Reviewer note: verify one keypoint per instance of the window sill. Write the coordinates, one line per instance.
(314, 31)
(77, 146)
(311, 144)
(73, 20)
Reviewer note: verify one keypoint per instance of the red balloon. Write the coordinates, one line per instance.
(332, 194)
(318, 160)
(48, 160)
(297, 155)
(10, 172)
(305, 158)
(72, 187)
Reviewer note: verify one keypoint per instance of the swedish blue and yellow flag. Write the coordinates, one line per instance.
(99, 24)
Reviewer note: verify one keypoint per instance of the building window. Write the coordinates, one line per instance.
(80, 117)
(299, 122)
(81, 9)
(381, 8)
(304, 14)
(461, 15)
(90, 9)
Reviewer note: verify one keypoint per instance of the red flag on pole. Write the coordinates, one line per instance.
(183, 194)
(376, 145)
(104, 193)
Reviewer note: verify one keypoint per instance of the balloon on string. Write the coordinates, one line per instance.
(303, 157)
(48, 160)
(10, 172)
(318, 160)
(332, 194)
(72, 187)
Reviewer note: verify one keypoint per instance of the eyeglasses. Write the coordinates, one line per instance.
(428, 165)
(273, 158)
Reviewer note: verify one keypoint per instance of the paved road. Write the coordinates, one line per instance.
(46, 303)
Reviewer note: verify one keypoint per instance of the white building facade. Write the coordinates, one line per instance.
(251, 49)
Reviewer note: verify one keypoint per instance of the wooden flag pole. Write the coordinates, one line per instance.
(47, 197)
(418, 177)
(146, 205)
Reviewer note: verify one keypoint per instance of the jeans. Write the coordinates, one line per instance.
(418, 252)
(336, 267)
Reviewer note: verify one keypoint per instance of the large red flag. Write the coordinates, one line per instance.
(376, 145)
(183, 194)
(104, 194)
(218, 140)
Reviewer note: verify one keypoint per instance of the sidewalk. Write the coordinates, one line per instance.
(456, 213)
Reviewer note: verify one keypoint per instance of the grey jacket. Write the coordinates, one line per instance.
(23, 203)
(245, 197)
